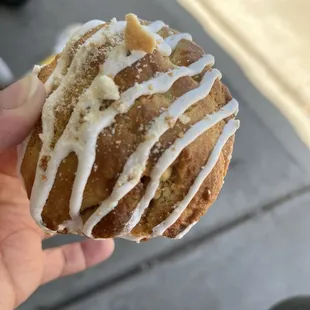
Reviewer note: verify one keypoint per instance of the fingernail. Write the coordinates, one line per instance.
(19, 93)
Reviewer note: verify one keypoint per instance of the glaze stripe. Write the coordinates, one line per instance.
(81, 133)
(136, 163)
(228, 131)
(172, 153)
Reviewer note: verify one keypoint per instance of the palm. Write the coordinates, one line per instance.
(23, 263)
(20, 240)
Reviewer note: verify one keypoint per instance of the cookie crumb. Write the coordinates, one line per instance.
(184, 119)
(105, 88)
(170, 121)
(166, 175)
(137, 38)
(95, 167)
(157, 194)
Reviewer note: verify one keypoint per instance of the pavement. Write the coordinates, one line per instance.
(270, 42)
(252, 248)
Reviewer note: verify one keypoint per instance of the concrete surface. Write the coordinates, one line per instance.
(228, 271)
(251, 248)
(270, 42)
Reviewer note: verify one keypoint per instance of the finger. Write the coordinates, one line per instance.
(75, 257)
(47, 236)
(6, 76)
(20, 106)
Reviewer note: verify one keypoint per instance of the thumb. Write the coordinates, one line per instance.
(20, 107)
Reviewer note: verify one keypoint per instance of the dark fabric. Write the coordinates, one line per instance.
(295, 303)
(13, 2)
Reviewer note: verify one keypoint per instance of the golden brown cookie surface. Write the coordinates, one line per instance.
(136, 134)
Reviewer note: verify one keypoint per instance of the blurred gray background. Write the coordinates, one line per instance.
(250, 251)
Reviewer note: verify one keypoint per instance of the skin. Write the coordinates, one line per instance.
(24, 266)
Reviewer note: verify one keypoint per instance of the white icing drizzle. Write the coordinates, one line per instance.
(185, 231)
(48, 117)
(171, 154)
(132, 238)
(116, 64)
(118, 61)
(136, 163)
(160, 83)
(42, 187)
(174, 40)
(36, 69)
(65, 145)
(162, 47)
(155, 26)
(229, 130)
(62, 62)
(82, 138)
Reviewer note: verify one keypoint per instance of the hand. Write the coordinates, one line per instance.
(23, 264)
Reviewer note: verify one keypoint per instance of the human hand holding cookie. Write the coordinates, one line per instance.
(23, 264)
